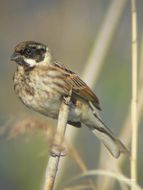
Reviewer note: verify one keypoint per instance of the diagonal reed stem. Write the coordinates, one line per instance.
(54, 159)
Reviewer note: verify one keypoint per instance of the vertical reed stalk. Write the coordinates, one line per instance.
(134, 116)
(126, 130)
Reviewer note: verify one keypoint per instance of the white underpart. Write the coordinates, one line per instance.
(32, 62)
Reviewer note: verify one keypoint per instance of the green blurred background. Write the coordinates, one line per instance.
(70, 29)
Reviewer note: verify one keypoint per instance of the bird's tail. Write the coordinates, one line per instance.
(106, 136)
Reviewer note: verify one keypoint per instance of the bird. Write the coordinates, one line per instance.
(41, 83)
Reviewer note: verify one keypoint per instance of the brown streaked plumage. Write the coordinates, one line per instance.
(41, 83)
(79, 87)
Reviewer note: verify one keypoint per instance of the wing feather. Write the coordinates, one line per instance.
(78, 86)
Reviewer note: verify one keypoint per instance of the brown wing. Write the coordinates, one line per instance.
(79, 87)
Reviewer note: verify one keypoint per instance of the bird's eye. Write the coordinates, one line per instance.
(28, 51)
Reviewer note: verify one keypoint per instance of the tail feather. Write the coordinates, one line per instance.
(111, 142)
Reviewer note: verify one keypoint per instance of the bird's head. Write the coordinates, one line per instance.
(30, 54)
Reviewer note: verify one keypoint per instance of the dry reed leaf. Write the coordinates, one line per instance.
(119, 177)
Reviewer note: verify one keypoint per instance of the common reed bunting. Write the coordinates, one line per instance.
(41, 83)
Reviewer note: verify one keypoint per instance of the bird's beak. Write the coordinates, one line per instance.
(15, 56)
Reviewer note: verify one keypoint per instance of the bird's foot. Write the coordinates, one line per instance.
(67, 98)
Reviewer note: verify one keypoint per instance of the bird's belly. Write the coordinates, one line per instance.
(50, 107)
(48, 104)
(43, 104)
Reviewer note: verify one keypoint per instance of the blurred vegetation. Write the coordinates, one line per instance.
(69, 28)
